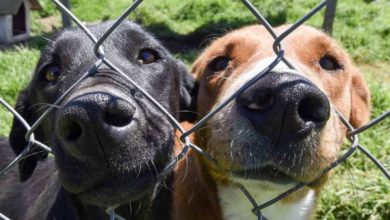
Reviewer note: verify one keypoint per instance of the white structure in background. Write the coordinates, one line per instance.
(15, 18)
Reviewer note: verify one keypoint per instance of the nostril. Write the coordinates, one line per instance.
(118, 114)
(73, 131)
(315, 108)
(257, 102)
(117, 119)
(263, 102)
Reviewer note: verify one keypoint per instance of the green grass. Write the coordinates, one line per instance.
(16, 65)
(357, 190)
(362, 27)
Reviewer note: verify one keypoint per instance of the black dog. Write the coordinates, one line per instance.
(110, 143)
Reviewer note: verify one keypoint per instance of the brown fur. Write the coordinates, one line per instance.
(196, 196)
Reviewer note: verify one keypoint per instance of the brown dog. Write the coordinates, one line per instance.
(280, 131)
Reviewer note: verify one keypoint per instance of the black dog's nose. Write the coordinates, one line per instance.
(118, 113)
(284, 106)
(94, 119)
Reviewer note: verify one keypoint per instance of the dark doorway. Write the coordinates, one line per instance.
(19, 21)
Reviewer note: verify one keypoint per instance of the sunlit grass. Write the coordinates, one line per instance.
(357, 190)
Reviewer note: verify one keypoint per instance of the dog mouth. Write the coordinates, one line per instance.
(267, 173)
(112, 190)
(115, 178)
(292, 157)
(101, 176)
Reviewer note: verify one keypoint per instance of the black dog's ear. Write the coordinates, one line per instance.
(188, 93)
(18, 141)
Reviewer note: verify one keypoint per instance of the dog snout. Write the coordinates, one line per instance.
(94, 119)
(284, 106)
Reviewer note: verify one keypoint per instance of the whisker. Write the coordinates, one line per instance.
(155, 169)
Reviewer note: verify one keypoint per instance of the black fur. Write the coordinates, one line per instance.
(75, 185)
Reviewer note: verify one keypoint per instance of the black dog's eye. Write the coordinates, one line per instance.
(329, 63)
(52, 73)
(219, 64)
(147, 56)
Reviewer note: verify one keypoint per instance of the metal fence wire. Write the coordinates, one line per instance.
(352, 135)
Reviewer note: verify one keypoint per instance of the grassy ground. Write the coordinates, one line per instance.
(358, 190)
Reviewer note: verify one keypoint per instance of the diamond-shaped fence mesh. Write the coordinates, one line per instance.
(352, 135)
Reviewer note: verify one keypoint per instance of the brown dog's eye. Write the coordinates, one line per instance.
(329, 63)
(52, 73)
(147, 56)
(219, 64)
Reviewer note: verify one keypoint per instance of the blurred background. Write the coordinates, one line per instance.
(358, 190)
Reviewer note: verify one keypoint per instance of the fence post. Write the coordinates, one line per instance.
(66, 21)
(330, 13)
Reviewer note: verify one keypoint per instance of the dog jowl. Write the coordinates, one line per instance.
(109, 141)
(280, 131)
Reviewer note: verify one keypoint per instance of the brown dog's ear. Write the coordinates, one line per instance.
(18, 141)
(360, 98)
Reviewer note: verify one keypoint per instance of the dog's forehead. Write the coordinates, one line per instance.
(257, 40)
(251, 43)
(72, 47)
(127, 34)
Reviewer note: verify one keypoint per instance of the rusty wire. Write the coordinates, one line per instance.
(352, 134)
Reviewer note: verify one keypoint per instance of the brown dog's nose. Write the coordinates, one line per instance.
(94, 119)
(284, 106)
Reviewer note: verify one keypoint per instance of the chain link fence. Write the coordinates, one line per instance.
(352, 135)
